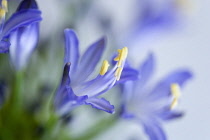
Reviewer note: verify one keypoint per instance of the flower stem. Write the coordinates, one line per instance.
(16, 98)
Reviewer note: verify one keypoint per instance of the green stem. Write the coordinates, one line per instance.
(16, 98)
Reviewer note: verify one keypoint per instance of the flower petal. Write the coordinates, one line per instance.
(89, 60)
(96, 86)
(23, 41)
(154, 130)
(71, 49)
(19, 19)
(163, 87)
(146, 70)
(129, 74)
(65, 99)
(101, 104)
(4, 46)
(169, 115)
(27, 4)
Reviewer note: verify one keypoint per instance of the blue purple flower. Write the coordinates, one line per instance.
(78, 87)
(24, 39)
(23, 17)
(155, 15)
(150, 105)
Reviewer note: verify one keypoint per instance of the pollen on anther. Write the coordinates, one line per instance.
(2, 13)
(4, 5)
(121, 56)
(104, 67)
(175, 91)
(118, 57)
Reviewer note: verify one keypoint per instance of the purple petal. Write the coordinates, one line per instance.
(66, 100)
(125, 114)
(145, 71)
(97, 86)
(19, 19)
(163, 87)
(23, 41)
(27, 4)
(129, 74)
(4, 46)
(170, 115)
(71, 49)
(101, 104)
(66, 78)
(127, 93)
(154, 130)
(150, 18)
(62, 91)
(167, 114)
(90, 59)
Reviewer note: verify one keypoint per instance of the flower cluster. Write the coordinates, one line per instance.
(82, 83)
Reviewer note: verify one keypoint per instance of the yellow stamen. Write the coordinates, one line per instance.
(118, 57)
(175, 90)
(118, 73)
(104, 67)
(174, 103)
(121, 56)
(4, 5)
(2, 13)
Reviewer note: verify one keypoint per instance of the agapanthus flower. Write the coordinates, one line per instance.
(78, 87)
(154, 14)
(150, 105)
(23, 17)
(24, 39)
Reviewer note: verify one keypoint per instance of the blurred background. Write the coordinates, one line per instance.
(176, 31)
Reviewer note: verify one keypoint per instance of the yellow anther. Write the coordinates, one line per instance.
(104, 67)
(2, 13)
(4, 5)
(118, 57)
(125, 50)
(175, 90)
(118, 73)
(121, 56)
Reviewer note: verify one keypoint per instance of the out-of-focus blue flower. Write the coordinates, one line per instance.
(24, 39)
(153, 16)
(77, 86)
(150, 105)
(22, 18)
